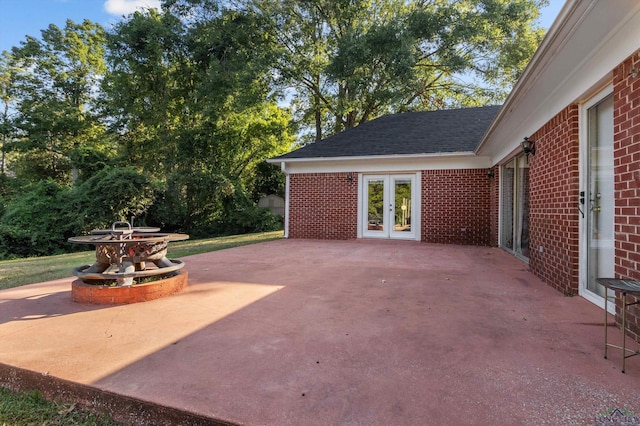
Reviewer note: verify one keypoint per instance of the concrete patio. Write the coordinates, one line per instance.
(300, 332)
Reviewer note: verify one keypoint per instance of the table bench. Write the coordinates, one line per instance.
(624, 288)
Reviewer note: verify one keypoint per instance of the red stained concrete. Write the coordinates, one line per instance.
(299, 332)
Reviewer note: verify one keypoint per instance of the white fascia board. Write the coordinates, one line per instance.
(551, 43)
(587, 41)
(368, 157)
(397, 163)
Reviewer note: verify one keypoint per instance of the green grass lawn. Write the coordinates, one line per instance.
(31, 408)
(17, 272)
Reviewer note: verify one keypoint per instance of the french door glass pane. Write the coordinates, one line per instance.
(600, 215)
(375, 207)
(402, 206)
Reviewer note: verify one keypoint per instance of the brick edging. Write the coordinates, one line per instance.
(106, 295)
(121, 408)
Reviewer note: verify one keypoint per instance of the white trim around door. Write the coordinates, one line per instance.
(596, 198)
(389, 206)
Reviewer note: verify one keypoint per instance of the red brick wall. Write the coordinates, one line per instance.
(626, 140)
(553, 191)
(455, 207)
(323, 206)
(555, 184)
(626, 113)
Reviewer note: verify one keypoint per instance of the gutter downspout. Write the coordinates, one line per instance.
(283, 167)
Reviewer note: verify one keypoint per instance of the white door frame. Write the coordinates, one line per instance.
(389, 232)
(583, 226)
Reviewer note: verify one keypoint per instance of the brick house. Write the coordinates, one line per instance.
(570, 208)
(408, 176)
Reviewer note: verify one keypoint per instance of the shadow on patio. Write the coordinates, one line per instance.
(342, 332)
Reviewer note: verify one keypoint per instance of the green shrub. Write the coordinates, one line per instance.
(36, 222)
(112, 194)
(240, 215)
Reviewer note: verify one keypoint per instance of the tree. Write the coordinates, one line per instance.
(190, 95)
(8, 72)
(352, 60)
(56, 88)
(146, 88)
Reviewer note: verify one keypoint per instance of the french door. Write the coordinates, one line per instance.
(389, 206)
(598, 199)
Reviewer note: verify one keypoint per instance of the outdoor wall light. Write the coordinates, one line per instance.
(490, 173)
(350, 177)
(634, 72)
(528, 147)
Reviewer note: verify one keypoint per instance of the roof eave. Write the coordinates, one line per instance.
(279, 160)
(545, 51)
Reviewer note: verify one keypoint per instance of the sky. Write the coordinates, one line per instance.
(19, 18)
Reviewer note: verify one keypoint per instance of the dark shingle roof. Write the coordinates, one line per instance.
(429, 132)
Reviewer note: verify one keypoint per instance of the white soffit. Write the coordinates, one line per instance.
(372, 164)
(585, 43)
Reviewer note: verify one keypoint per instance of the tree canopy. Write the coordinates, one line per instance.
(55, 90)
(169, 115)
(350, 61)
